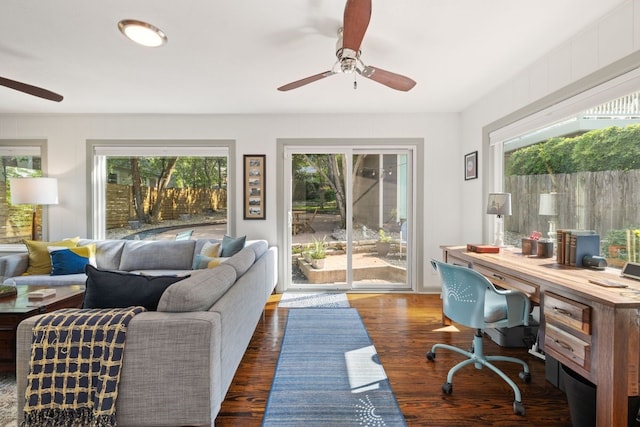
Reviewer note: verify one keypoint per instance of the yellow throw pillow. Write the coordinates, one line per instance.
(211, 250)
(39, 259)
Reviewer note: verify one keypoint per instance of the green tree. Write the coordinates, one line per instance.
(612, 148)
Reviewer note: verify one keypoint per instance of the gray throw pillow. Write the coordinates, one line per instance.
(231, 245)
(114, 289)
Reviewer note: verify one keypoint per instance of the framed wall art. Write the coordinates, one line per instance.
(254, 186)
(471, 166)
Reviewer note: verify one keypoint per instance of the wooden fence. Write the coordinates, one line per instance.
(16, 219)
(176, 202)
(599, 201)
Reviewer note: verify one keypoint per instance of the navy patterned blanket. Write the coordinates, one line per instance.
(76, 355)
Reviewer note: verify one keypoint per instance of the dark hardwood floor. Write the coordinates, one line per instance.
(403, 327)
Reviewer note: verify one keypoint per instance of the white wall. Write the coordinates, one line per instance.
(611, 42)
(254, 134)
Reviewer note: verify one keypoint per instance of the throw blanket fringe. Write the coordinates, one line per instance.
(76, 355)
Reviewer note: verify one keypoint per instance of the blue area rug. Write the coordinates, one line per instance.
(328, 374)
(313, 299)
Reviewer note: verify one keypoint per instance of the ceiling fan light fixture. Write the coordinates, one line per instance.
(142, 33)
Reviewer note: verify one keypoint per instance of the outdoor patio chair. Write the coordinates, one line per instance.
(471, 300)
(184, 235)
(309, 221)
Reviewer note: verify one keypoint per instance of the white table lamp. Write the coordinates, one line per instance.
(499, 204)
(549, 207)
(34, 191)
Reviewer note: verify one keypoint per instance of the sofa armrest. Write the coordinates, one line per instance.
(166, 355)
(14, 265)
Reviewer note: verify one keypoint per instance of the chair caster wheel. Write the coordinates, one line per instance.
(525, 376)
(518, 408)
(447, 388)
(431, 356)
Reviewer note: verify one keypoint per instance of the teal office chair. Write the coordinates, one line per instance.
(470, 299)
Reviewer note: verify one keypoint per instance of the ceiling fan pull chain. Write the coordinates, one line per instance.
(355, 82)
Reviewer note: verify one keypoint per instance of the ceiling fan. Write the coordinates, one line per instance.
(357, 14)
(31, 90)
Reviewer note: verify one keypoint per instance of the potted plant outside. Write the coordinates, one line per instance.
(318, 253)
(306, 253)
(616, 242)
(383, 244)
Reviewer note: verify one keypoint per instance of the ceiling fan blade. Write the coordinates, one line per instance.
(306, 80)
(387, 78)
(357, 14)
(31, 90)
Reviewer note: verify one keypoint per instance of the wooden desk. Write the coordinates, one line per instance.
(593, 330)
(15, 309)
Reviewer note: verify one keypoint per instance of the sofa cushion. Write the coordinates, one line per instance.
(114, 289)
(231, 245)
(108, 252)
(198, 292)
(39, 259)
(71, 260)
(157, 254)
(183, 273)
(51, 281)
(242, 261)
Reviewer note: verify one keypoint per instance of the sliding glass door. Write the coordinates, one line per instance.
(349, 217)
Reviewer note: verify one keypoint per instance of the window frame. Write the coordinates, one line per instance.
(98, 150)
(17, 145)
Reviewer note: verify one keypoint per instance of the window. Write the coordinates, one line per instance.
(19, 159)
(580, 173)
(147, 190)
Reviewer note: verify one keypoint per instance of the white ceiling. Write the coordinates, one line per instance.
(230, 56)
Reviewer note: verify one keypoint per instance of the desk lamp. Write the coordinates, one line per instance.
(549, 207)
(34, 191)
(499, 204)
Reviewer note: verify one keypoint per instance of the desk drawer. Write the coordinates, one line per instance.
(567, 312)
(567, 345)
(508, 282)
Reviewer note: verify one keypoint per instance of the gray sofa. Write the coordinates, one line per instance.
(150, 257)
(179, 361)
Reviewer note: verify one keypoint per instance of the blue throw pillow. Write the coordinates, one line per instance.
(71, 260)
(231, 245)
(114, 289)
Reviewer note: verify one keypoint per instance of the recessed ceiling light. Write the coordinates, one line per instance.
(142, 33)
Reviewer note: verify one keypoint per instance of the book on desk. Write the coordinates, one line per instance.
(573, 245)
(482, 249)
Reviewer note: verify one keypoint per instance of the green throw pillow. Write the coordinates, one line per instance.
(231, 245)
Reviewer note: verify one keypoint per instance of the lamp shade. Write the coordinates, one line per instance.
(499, 204)
(548, 204)
(34, 191)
